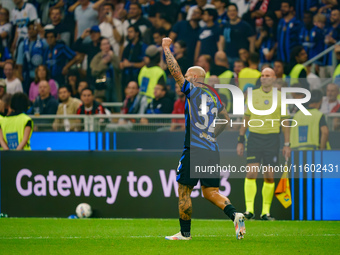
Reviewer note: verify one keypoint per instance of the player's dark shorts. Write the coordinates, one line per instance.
(192, 157)
(263, 148)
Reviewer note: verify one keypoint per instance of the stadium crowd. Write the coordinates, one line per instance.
(70, 56)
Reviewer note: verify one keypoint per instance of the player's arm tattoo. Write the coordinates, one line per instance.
(173, 67)
(227, 202)
(220, 127)
(184, 203)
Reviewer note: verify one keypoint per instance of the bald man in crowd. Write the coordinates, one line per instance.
(263, 144)
(200, 146)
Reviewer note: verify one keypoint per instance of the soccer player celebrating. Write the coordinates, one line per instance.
(263, 145)
(199, 145)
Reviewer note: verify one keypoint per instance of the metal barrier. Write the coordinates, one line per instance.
(134, 122)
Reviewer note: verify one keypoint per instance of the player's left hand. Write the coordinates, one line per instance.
(286, 152)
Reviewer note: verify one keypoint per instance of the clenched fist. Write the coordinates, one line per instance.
(166, 42)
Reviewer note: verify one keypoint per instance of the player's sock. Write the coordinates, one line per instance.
(185, 227)
(230, 211)
(250, 189)
(267, 196)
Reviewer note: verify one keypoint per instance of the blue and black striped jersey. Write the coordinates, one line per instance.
(199, 131)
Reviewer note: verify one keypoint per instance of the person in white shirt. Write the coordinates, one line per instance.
(21, 16)
(330, 101)
(13, 84)
(111, 28)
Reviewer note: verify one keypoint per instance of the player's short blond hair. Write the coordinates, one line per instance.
(199, 71)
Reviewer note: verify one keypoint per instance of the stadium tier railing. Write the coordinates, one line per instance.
(134, 122)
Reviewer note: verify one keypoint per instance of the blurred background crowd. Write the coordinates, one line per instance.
(70, 57)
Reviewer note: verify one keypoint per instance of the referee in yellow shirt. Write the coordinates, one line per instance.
(263, 144)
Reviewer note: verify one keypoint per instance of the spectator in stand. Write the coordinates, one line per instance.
(167, 7)
(330, 102)
(219, 69)
(302, 6)
(244, 55)
(89, 106)
(288, 31)
(133, 56)
(13, 84)
(68, 106)
(58, 57)
(45, 104)
(180, 49)
(179, 108)
(279, 69)
(251, 74)
(163, 21)
(83, 84)
(4, 56)
(210, 37)
(160, 104)
(136, 18)
(30, 55)
(5, 28)
(201, 4)
(6, 103)
(105, 69)
(318, 38)
(72, 81)
(326, 7)
(266, 41)
(20, 17)
(145, 4)
(85, 17)
(307, 32)
(298, 72)
(133, 99)
(184, 7)
(237, 35)
(238, 66)
(90, 48)
(151, 74)
(158, 35)
(60, 27)
(221, 6)
(332, 36)
(2, 88)
(258, 9)
(112, 28)
(336, 74)
(188, 31)
(42, 74)
(313, 80)
(204, 61)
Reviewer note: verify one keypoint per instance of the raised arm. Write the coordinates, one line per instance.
(173, 66)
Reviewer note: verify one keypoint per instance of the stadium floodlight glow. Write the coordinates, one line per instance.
(238, 100)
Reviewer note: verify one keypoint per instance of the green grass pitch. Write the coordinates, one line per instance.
(146, 236)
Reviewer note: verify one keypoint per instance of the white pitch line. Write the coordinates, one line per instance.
(149, 236)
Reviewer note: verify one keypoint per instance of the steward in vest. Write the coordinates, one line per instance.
(151, 74)
(298, 73)
(250, 74)
(30, 55)
(16, 129)
(220, 69)
(311, 131)
(336, 75)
